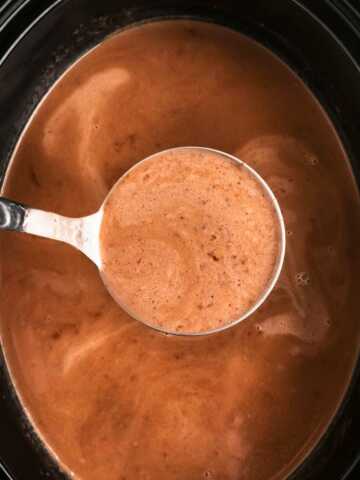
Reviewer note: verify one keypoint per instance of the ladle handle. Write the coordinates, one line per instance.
(12, 215)
(82, 233)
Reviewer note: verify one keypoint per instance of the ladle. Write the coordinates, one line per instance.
(84, 233)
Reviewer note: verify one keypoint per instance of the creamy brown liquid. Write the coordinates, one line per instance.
(115, 399)
(190, 241)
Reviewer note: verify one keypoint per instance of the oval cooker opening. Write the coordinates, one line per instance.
(97, 33)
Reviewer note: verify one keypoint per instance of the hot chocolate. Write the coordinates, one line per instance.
(190, 241)
(111, 397)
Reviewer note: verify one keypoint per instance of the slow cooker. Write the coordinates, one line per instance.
(319, 39)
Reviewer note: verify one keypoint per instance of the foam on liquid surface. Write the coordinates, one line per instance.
(189, 241)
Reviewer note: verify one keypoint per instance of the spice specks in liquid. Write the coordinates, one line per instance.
(116, 400)
(189, 241)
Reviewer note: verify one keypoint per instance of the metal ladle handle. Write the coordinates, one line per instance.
(82, 233)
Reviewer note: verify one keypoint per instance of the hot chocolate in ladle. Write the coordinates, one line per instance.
(84, 233)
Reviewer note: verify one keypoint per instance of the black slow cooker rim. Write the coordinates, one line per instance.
(18, 17)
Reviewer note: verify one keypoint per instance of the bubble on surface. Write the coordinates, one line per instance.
(312, 159)
(208, 475)
(302, 279)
